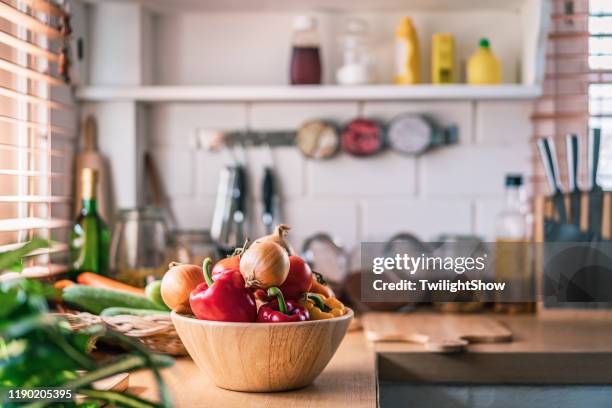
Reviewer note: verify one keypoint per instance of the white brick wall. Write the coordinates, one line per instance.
(455, 189)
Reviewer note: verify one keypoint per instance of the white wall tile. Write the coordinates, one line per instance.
(208, 166)
(471, 170)
(176, 170)
(340, 219)
(503, 122)
(175, 124)
(289, 116)
(442, 113)
(386, 174)
(193, 214)
(383, 218)
(287, 164)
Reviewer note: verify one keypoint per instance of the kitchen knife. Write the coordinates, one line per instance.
(546, 147)
(573, 155)
(239, 197)
(220, 226)
(596, 192)
(270, 199)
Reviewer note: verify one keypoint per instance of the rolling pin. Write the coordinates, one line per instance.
(90, 157)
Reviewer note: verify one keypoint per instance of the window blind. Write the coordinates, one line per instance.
(36, 131)
(600, 89)
(577, 90)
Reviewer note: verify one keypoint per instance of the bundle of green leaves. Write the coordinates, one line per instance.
(38, 349)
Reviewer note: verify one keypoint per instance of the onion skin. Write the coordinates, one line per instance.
(264, 264)
(279, 236)
(177, 284)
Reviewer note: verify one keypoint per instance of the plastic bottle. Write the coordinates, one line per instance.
(443, 59)
(305, 67)
(407, 56)
(483, 66)
(512, 252)
(356, 68)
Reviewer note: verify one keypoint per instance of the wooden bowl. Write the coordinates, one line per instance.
(261, 357)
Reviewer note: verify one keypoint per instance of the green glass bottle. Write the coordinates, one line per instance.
(89, 238)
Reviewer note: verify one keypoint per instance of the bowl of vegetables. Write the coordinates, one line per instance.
(259, 320)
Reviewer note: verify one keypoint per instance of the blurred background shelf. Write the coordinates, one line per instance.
(306, 93)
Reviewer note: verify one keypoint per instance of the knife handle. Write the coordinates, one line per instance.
(594, 146)
(572, 161)
(268, 194)
(549, 162)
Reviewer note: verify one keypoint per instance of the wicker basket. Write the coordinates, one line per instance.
(155, 331)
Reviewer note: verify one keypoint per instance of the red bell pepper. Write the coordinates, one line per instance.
(225, 299)
(298, 281)
(281, 311)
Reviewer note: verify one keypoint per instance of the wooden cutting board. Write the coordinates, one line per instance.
(442, 333)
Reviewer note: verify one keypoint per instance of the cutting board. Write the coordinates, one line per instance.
(118, 382)
(442, 333)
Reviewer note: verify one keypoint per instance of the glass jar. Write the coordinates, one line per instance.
(139, 246)
(193, 246)
(305, 67)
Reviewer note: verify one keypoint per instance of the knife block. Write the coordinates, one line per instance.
(544, 209)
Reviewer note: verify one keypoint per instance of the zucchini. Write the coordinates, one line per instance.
(115, 311)
(95, 300)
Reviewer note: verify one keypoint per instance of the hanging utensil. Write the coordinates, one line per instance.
(224, 208)
(362, 137)
(414, 134)
(573, 155)
(317, 139)
(595, 190)
(239, 195)
(546, 147)
(269, 197)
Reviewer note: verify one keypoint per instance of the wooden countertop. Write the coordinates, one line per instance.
(348, 380)
(572, 351)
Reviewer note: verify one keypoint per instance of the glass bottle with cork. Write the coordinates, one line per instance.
(89, 237)
(512, 252)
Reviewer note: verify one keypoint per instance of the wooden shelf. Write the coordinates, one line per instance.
(326, 5)
(306, 93)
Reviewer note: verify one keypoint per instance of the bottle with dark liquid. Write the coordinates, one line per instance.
(512, 252)
(305, 66)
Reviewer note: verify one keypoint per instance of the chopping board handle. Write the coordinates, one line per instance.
(438, 345)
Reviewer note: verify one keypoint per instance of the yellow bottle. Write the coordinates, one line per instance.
(407, 53)
(483, 66)
(443, 59)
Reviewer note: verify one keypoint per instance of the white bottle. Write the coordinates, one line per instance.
(356, 68)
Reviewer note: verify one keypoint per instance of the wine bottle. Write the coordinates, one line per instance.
(89, 237)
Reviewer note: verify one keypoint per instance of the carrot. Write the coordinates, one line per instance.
(63, 283)
(99, 281)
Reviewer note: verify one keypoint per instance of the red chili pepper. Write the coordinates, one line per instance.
(279, 311)
(225, 299)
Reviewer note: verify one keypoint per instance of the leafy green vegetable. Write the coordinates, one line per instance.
(10, 258)
(38, 349)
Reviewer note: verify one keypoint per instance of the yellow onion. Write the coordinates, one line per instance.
(178, 283)
(279, 236)
(264, 264)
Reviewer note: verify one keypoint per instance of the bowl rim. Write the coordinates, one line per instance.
(174, 315)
